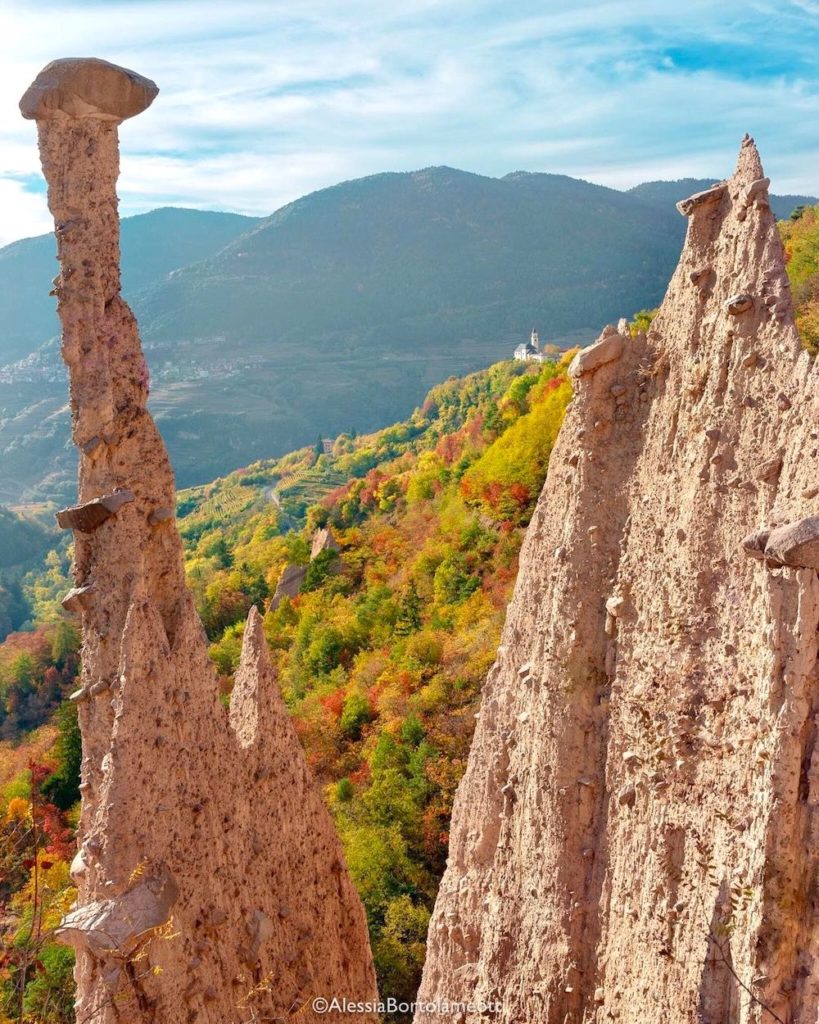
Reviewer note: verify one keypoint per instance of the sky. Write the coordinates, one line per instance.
(263, 102)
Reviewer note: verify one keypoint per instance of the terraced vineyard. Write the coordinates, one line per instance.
(201, 507)
(308, 488)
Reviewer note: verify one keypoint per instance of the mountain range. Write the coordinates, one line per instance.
(338, 312)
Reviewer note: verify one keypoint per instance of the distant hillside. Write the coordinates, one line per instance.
(21, 539)
(434, 257)
(338, 312)
(153, 244)
(22, 542)
(666, 193)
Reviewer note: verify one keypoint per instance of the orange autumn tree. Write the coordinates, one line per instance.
(36, 847)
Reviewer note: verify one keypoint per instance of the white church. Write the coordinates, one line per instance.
(529, 351)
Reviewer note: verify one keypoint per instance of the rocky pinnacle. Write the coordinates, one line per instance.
(636, 837)
(212, 885)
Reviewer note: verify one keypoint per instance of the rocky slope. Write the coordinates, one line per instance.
(212, 886)
(635, 838)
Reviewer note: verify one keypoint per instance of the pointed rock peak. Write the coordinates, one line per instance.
(749, 164)
(254, 664)
(731, 285)
(254, 645)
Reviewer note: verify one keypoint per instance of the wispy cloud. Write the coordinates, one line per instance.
(264, 101)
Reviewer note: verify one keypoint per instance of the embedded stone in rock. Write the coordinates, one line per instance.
(78, 867)
(704, 198)
(92, 514)
(92, 444)
(608, 348)
(260, 929)
(698, 276)
(737, 304)
(754, 543)
(160, 515)
(757, 191)
(770, 469)
(796, 544)
(87, 87)
(116, 926)
(77, 598)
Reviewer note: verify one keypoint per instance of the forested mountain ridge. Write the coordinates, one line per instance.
(23, 541)
(338, 312)
(665, 193)
(153, 245)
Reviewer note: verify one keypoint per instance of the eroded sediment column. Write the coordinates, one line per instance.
(636, 837)
(212, 886)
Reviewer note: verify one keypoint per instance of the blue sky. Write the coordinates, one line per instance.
(262, 102)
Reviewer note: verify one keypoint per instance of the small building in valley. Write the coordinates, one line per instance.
(529, 351)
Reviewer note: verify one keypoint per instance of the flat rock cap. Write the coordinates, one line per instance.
(87, 87)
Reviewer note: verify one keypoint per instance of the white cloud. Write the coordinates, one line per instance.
(24, 213)
(262, 102)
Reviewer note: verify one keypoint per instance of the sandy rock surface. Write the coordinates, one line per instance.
(636, 837)
(212, 885)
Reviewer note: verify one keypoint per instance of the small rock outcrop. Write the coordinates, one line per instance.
(796, 544)
(212, 885)
(323, 540)
(292, 577)
(289, 584)
(636, 837)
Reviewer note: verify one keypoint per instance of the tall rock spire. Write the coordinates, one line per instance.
(212, 886)
(636, 837)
